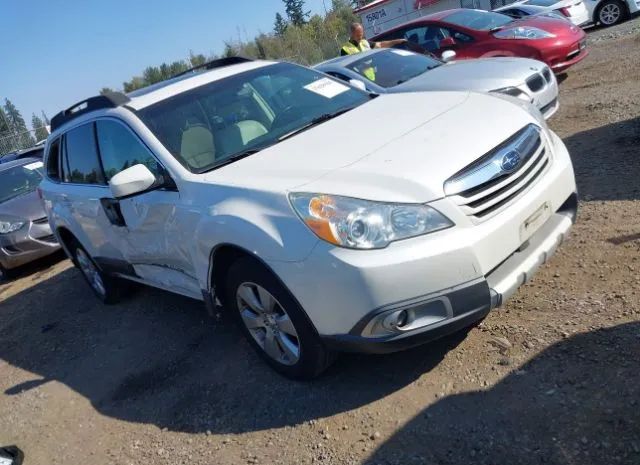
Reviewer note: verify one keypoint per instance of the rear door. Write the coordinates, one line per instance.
(146, 227)
(82, 185)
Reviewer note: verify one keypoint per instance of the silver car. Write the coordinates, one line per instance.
(25, 234)
(392, 71)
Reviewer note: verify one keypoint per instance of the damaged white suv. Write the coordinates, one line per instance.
(322, 217)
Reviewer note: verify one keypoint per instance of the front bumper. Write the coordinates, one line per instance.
(31, 242)
(473, 302)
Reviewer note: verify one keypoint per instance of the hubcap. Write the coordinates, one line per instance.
(90, 271)
(610, 13)
(268, 322)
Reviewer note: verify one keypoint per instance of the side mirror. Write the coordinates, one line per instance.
(358, 84)
(447, 42)
(131, 181)
(448, 55)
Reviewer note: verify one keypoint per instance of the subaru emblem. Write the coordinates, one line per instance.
(510, 161)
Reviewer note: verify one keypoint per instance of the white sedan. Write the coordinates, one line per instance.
(391, 71)
(573, 10)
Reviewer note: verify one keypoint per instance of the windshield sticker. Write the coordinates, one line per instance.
(326, 87)
(403, 53)
(33, 166)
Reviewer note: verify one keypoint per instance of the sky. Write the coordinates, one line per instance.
(54, 53)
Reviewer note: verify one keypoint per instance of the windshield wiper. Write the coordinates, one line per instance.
(314, 122)
(235, 158)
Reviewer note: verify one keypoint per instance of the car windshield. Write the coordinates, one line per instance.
(541, 2)
(478, 20)
(214, 124)
(19, 180)
(391, 67)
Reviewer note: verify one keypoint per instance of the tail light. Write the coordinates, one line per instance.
(565, 11)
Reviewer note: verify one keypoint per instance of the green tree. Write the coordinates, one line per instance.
(280, 26)
(295, 12)
(196, 60)
(5, 128)
(18, 126)
(39, 127)
(106, 90)
(45, 119)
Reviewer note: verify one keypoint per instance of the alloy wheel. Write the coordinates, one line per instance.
(610, 14)
(90, 272)
(268, 322)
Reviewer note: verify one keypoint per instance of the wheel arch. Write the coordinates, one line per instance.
(220, 260)
(67, 239)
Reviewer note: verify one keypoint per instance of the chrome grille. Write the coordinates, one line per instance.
(499, 177)
(535, 82)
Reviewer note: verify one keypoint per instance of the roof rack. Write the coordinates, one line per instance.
(106, 100)
(219, 63)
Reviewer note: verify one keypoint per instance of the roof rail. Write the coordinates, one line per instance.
(213, 64)
(106, 100)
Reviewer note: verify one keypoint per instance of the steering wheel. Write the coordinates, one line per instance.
(288, 115)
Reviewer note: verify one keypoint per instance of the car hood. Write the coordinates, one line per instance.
(559, 27)
(26, 206)
(481, 75)
(398, 147)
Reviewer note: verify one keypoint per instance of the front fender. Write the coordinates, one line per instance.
(262, 224)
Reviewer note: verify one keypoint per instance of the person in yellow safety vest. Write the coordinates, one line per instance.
(357, 44)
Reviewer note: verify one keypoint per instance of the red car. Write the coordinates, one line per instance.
(476, 33)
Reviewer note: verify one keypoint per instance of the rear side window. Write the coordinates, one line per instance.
(53, 161)
(120, 150)
(82, 163)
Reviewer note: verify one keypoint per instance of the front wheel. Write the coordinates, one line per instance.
(273, 322)
(610, 12)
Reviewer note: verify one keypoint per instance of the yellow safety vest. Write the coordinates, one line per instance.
(363, 46)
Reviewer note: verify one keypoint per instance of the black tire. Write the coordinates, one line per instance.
(7, 274)
(610, 13)
(314, 357)
(112, 289)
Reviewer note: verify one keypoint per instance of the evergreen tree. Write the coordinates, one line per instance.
(18, 126)
(45, 119)
(280, 25)
(295, 12)
(39, 127)
(5, 128)
(106, 90)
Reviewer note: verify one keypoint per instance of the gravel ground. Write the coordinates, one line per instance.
(550, 378)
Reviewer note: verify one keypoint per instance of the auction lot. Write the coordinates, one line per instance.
(552, 377)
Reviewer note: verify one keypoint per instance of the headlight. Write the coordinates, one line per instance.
(363, 224)
(523, 32)
(8, 227)
(514, 92)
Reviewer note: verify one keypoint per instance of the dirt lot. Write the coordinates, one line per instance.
(551, 378)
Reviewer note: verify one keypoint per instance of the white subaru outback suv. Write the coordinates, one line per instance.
(323, 218)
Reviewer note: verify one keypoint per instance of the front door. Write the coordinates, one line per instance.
(147, 227)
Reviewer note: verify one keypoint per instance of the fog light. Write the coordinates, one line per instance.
(403, 318)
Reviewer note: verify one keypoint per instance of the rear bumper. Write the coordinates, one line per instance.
(472, 302)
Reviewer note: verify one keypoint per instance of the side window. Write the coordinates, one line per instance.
(82, 164)
(120, 149)
(428, 37)
(459, 37)
(53, 161)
